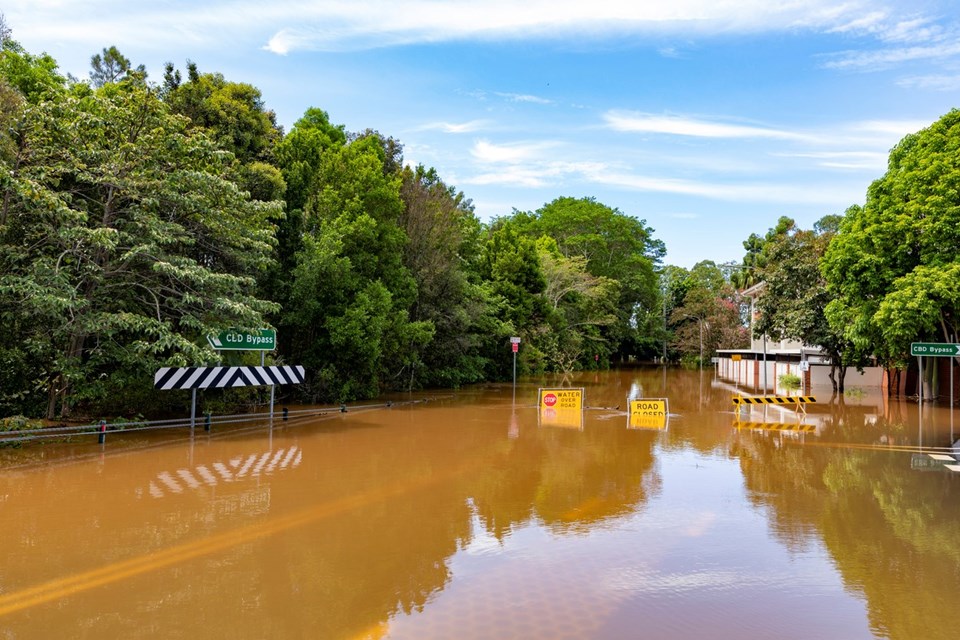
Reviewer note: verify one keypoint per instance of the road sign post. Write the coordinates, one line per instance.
(515, 346)
(936, 350)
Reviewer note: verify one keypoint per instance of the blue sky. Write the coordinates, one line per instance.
(708, 119)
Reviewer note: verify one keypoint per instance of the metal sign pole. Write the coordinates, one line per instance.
(514, 346)
(514, 377)
(193, 410)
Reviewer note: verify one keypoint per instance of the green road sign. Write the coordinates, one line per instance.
(266, 340)
(938, 349)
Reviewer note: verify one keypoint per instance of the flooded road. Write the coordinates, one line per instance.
(464, 515)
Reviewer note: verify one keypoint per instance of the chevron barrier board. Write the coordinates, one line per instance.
(773, 399)
(775, 426)
(168, 378)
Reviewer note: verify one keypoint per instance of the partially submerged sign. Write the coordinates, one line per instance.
(649, 413)
(561, 399)
(561, 407)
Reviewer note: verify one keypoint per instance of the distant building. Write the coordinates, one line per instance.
(759, 367)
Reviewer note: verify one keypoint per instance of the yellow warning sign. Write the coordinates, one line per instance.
(561, 399)
(654, 407)
(568, 418)
(640, 421)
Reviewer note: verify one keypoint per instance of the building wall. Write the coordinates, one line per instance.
(759, 377)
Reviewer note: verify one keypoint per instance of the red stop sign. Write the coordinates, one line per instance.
(516, 347)
(549, 399)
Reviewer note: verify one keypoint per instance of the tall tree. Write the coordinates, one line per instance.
(112, 66)
(442, 250)
(351, 291)
(579, 305)
(792, 304)
(233, 113)
(124, 243)
(615, 246)
(511, 265)
(893, 265)
(706, 314)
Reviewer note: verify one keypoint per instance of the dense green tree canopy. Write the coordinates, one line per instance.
(894, 261)
(123, 243)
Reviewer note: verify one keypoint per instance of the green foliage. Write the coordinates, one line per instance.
(35, 77)
(614, 246)
(789, 381)
(705, 312)
(351, 291)
(231, 112)
(113, 66)
(123, 244)
(894, 262)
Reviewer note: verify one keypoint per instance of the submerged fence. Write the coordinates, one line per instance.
(103, 428)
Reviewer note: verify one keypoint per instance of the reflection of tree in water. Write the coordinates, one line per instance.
(569, 479)
(892, 532)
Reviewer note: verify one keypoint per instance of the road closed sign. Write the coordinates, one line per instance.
(649, 413)
(653, 407)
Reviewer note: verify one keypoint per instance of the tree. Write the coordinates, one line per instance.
(792, 304)
(34, 77)
(615, 246)
(511, 265)
(706, 312)
(579, 304)
(233, 113)
(112, 66)
(441, 253)
(124, 244)
(5, 31)
(892, 266)
(351, 291)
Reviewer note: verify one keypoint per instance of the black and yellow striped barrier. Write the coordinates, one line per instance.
(773, 400)
(775, 426)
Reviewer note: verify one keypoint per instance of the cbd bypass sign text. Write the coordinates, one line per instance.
(264, 340)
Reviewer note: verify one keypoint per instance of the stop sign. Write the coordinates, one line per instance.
(550, 399)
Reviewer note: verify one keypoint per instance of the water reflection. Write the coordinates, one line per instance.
(466, 516)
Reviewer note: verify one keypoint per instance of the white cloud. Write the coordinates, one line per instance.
(857, 160)
(519, 97)
(456, 127)
(932, 82)
(889, 57)
(766, 193)
(337, 26)
(485, 151)
(685, 126)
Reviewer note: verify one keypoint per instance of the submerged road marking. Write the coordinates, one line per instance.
(68, 585)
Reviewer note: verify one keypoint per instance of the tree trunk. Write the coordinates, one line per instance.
(74, 355)
(52, 392)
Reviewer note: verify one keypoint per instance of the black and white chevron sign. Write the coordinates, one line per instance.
(218, 377)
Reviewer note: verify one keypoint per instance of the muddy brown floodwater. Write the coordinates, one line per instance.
(464, 515)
